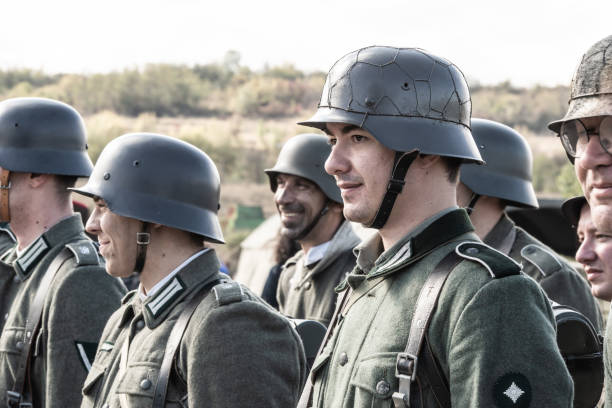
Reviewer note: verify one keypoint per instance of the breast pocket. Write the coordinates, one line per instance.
(374, 381)
(137, 387)
(11, 346)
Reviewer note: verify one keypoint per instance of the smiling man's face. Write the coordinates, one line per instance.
(361, 166)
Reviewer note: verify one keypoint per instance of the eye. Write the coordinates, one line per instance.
(359, 138)
(331, 141)
(602, 237)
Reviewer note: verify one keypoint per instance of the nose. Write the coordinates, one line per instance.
(586, 254)
(284, 195)
(337, 162)
(93, 222)
(594, 155)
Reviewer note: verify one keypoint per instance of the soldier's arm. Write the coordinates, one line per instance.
(503, 351)
(243, 354)
(81, 301)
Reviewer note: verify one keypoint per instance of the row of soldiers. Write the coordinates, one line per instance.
(422, 313)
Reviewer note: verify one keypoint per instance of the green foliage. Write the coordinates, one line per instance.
(546, 171)
(567, 182)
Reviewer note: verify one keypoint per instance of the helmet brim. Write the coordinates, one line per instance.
(405, 134)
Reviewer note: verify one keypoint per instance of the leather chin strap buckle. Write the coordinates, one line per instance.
(5, 186)
(143, 238)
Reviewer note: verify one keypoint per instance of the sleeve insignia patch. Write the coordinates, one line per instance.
(86, 352)
(512, 390)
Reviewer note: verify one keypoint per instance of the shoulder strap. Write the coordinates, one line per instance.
(15, 398)
(306, 396)
(406, 363)
(174, 341)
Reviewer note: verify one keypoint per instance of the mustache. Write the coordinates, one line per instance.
(295, 207)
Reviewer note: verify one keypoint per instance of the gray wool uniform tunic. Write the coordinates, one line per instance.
(493, 338)
(307, 292)
(80, 300)
(236, 351)
(9, 281)
(561, 282)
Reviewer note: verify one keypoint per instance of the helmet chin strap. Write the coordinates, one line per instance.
(470, 207)
(401, 164)
(143, 238)
(314, 222)
(5, 186)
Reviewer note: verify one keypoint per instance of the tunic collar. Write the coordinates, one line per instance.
(497, 236)
(60, 233)
(202, 269)
(430, 234)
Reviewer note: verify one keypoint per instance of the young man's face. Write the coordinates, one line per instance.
(594, 171)
(361, 166)
(117, 238)
(299, 201)
(595, 255)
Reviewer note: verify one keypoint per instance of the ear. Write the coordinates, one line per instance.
(37, 180)
(426, 161)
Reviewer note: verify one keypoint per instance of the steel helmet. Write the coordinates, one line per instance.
(591, 89)
(408, 98)
(45, 136)
(507, 173)
(158, 179)
(304, 156)
(572, 207)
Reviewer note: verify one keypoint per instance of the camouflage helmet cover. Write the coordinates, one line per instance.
(408, 98)
(591, 89)
(304, 156)
(159, 179)
(39, 135)
(507, 174)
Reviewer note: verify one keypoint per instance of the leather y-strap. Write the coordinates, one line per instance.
(5, 186)
(143, 238)
(407, 362)
(16, 397)
(174, 341)
(306, 397)
(396, 183)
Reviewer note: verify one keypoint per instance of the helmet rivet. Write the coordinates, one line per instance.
(369, 101)
(482, 146)
(136, 163)
(106, 176)
(406, 86)
(16, 124)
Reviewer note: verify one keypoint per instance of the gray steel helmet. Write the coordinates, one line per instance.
(591, 89)
(159, 179)
(507, 174)
(304, 156)
(572, 207)
(45, 136)
(407, 98)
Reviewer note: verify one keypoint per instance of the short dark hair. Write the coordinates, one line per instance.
(452, 165)
(63, 183)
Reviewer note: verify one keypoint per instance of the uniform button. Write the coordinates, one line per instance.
(20, 345)
(471, 251)
(307, 285)
(145, 384)
(383, 387)
(140, 324)
(343, 359)
(529, 250)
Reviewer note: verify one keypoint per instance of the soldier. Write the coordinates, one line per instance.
(594, 251)
(586, 130)
(398, 121)
(156, 202)
(9, 282)
(505, 180)
(310, 208)
(586, 134)
(63, 296)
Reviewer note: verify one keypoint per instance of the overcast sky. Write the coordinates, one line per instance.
(525, 41)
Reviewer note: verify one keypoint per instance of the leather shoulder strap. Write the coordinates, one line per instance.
(15, 397)
(174, 341)
(407, 362)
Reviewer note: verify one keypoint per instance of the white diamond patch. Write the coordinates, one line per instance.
(513, 392)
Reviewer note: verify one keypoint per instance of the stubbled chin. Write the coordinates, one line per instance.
(602, 216)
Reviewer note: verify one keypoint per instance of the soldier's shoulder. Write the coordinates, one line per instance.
(496, 264)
